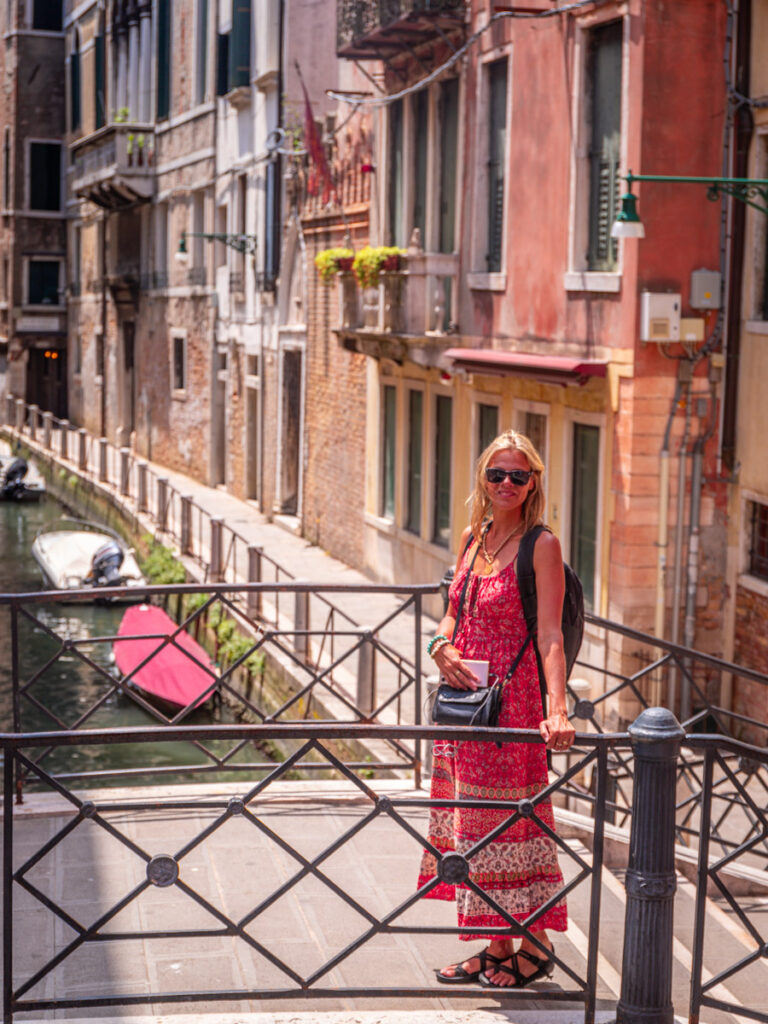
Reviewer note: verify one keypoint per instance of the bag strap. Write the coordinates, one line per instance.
(460, 609)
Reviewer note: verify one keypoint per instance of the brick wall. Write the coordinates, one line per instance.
(751, 650)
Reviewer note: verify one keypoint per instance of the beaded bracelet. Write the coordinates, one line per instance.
(436, 643)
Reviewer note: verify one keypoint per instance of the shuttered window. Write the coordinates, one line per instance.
(604, 85)
(163, 59)
(415, 433)
(441, 507)
(395, 196)
(240, 44)
(497, 144)
(420, 111)
(584, 504)
(74, 86)
(488, 426)
(99, 80)
(389, 396)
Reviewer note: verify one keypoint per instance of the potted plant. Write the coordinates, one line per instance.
(372, 260)
(330, 262)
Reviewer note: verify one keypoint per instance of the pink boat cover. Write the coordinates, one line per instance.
(171, 674)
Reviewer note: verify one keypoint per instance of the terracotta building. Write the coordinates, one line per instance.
(33, 229)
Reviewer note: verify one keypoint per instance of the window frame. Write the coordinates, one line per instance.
(410, 387)
(432, 492)
(578, 277)
(27, 303)
(179, 335)
(388, 448)
(29, 143)
(45, 4)
(574, 417)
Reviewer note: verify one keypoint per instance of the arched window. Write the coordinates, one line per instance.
(74, 83)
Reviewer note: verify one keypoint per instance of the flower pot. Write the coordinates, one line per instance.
(344, 264)
(391, 263)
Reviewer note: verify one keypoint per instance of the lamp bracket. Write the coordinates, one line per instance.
(242, 243)
(752, 191)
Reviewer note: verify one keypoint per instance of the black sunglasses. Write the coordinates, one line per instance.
(519, 477)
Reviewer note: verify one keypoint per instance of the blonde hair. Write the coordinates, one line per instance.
(480, 502)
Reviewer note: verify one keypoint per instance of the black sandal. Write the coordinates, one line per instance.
(544, 969)
(462, 977)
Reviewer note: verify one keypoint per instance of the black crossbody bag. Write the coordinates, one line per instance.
(476, 708)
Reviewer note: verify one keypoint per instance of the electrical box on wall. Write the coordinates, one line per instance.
(706, 286)
(660, 316)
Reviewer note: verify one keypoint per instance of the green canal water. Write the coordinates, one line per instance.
(59, 688)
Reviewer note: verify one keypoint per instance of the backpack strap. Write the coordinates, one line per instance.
(526, 581)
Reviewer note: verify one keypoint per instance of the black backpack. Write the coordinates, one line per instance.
(573, 605)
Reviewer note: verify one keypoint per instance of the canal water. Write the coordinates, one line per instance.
(59, 689)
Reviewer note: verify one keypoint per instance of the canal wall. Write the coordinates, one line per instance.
(276, 682)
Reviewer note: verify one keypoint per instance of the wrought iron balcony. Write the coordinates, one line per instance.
(379, 29)
(114, 166)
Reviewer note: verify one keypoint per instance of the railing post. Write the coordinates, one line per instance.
(301, 622)
(254, 576)
(82, 449)
(646, 978)
(33, 411)
(217, 524)
(141, 486)
(366, 674)
(125, 471)
(102, 459)
(20, 414)
(186, 524)
(47, 427)
(64, 438)
(162, 503)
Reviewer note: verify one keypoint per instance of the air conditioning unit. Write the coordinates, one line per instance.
(660, 317)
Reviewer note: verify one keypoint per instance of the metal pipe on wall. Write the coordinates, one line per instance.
(685, 374)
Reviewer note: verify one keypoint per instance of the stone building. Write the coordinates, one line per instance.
(33, 279)
(141, 174)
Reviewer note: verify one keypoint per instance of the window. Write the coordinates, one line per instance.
(758, 541)
(201, 87)
(534, 426)
(449, 135)
(240, 44)
(98, 351)
(222, 64)
(497, 146)
(584, 506)
(43, 283)
(487, 426)
(76, 257)
(161, 245)
(78, 354)
(45, 176)
(46, 15)
(222, 251)
(388, 450)
(272, 220)
(441, 508)
(420, 120)
(395, 151)
(415, 436)
(7, 169)
(604, 113)
(99, 78)
(74, 84)
(179, 343)
(163, 59)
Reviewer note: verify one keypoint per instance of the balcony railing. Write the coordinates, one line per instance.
(372, 29)
(416, 301)
(114, 166)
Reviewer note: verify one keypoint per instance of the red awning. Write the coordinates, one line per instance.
(550, 369)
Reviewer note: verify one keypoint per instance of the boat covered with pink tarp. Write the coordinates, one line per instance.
(165, 663)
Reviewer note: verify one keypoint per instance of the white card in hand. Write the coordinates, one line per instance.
(480, 668)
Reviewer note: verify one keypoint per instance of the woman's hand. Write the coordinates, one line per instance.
(453, 670)
(557, 731)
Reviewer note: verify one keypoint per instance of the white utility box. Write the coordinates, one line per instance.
(660, 316)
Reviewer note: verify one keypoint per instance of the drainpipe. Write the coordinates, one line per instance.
(685, 373)
(105, 222)
(662, 542)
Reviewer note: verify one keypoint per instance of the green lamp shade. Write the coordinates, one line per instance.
(628, 223)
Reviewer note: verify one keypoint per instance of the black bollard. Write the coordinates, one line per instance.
(646, 977)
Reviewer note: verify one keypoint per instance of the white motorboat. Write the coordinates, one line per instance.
(77, 555)
(19, 481)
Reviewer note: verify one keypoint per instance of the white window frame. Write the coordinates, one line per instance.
(480, 278)
(53, 214)
(61, 304)
(179, 334)
(578, 278)
(590, 419)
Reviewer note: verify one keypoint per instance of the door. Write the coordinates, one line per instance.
(291, 432)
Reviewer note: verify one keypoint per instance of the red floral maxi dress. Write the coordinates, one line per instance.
(519, 868)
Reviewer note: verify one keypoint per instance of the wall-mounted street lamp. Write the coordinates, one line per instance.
(753, 191)
(242, 243)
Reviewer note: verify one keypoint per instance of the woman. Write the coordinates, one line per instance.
(519, 869)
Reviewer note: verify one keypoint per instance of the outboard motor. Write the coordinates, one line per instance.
(12, 482)
(105, 565)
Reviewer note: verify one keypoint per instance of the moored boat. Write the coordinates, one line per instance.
(77, 555)
(17, 483)
(165, 663)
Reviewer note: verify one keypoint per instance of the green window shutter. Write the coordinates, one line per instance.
(98, 80)
(240, 44)
(488, 425)
(222, 64)
(396, 233)
(441, 507)
(604, 77)
(584, 506)
(163, 59)
(74, 82)
(420, 139)
(388, 452)
(415, 434)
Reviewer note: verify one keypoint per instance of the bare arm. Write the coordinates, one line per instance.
(550, 591)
